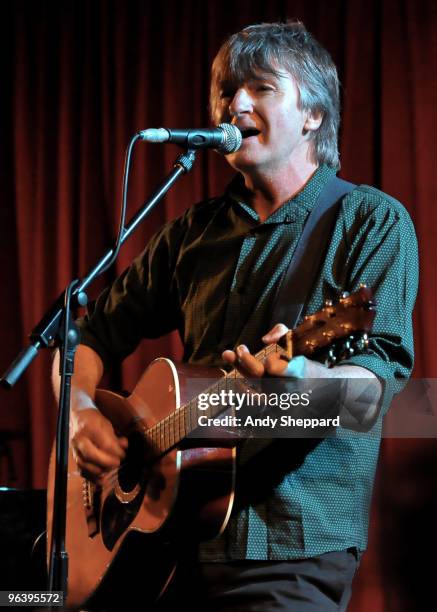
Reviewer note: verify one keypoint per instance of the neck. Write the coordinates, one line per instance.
(267, 191)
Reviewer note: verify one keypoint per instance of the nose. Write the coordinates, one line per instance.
(241, 102)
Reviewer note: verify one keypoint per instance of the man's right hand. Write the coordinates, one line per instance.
(96, 447)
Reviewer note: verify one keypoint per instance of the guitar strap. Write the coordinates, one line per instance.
(300, 276)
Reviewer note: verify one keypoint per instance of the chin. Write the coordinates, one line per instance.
(242, 162)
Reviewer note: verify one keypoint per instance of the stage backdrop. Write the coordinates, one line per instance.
(80, 78)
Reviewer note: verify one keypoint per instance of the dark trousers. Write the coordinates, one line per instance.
(319, 583)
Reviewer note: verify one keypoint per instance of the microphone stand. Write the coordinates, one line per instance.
(57, 328)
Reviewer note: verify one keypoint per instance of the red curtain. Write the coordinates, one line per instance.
(80, 78)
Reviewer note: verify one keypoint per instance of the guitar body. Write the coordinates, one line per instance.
(181, 494)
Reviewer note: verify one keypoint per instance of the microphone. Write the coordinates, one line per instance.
(225, 138)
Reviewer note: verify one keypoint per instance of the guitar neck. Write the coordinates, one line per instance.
(177, 426)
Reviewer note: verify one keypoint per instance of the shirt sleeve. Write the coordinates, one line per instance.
(141, 303)
(383, 254)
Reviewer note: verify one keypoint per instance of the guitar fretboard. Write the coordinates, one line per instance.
(178, 425)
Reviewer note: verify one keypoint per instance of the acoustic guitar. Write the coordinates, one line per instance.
(168, 485)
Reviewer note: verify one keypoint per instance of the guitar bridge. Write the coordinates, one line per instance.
(91, 501)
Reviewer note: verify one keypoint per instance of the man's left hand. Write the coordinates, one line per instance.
(275, 364)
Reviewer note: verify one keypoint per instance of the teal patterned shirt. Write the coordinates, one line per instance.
(212, 274)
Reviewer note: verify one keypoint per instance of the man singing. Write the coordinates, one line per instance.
(299, 526)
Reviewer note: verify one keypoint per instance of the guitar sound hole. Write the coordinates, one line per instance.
(132, 469)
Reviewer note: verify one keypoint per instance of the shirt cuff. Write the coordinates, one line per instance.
(384, 372)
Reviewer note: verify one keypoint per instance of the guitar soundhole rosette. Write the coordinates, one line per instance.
(131, 471)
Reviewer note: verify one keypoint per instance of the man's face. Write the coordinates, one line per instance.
(269, 106)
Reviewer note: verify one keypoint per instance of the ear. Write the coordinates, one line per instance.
(313, 121)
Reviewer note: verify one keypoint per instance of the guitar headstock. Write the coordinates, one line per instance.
(343, 327)
(344, 348)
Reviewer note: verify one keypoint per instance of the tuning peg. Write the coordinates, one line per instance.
(328, 334)
(363, 342)
(344, 295)
(346, 326)
(331, 358)
(328, 303)
(363, 286)
(348, 349)
(310, 345)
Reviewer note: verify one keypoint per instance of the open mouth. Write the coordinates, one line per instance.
(248, 132)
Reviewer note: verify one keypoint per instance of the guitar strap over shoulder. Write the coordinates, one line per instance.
(300, 276)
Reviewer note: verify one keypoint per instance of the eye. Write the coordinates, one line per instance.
(264, 87)
(227, 93)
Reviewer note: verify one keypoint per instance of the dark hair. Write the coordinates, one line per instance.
(270, 48)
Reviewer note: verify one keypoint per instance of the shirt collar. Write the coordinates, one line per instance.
(298, 206)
